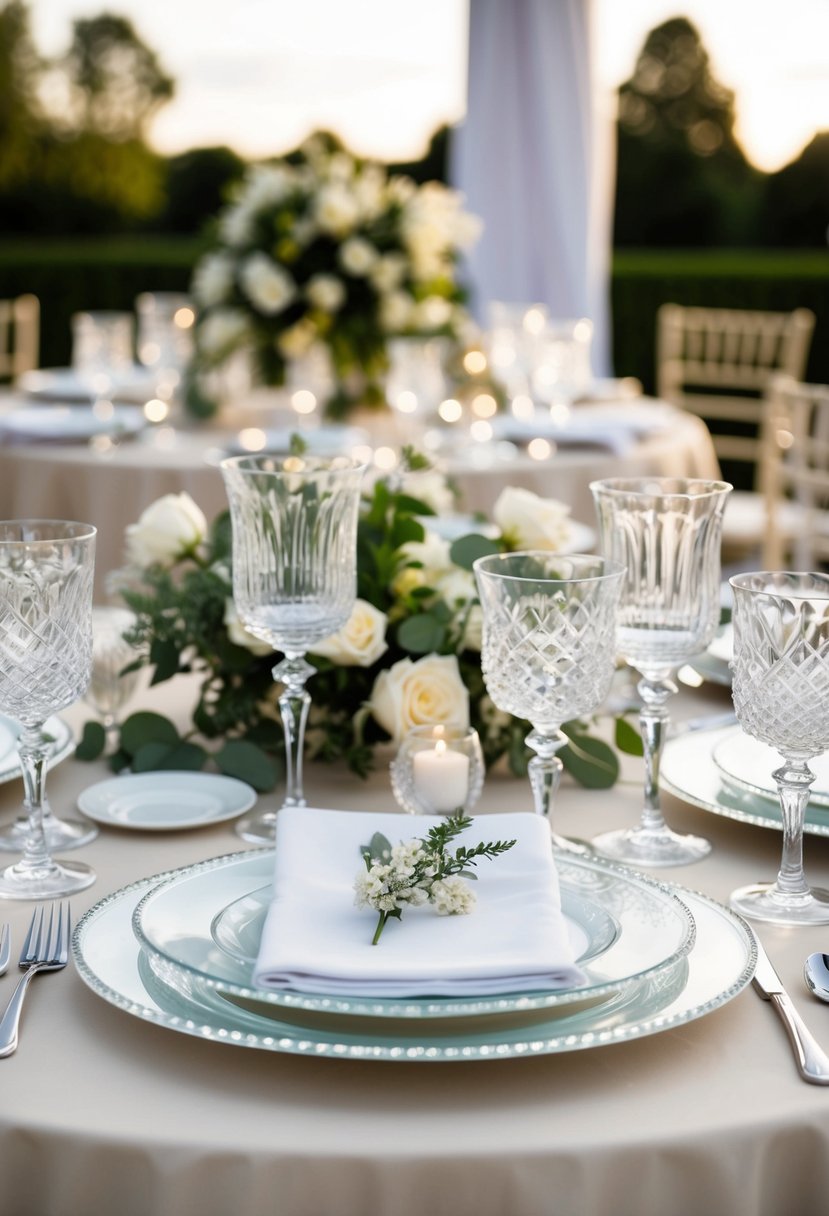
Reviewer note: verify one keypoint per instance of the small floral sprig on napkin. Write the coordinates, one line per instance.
(421, 871)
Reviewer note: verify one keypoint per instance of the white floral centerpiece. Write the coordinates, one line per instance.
(408, 656)
(322, 253)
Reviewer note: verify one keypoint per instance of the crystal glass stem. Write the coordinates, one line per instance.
(544, 771)
(794, 780)
(653, 721)
(294, 704)
(33, 750)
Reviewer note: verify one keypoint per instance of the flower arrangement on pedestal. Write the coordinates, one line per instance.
(325, 256)
(408, 656)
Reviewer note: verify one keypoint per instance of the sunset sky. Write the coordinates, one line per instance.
(385, 73)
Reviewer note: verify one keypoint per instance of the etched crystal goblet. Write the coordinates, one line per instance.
(294, 521)
(549, 647)
(781, 696)
(666, 533)
(46, 569)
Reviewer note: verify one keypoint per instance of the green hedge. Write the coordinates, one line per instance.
(70, 276)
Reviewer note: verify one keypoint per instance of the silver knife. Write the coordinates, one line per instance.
(812, 1061)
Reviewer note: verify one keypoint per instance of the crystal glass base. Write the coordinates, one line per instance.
(60, 834)
(651, 847)
(258, 828)
(573, 845)
(46, 882)
(764, 901)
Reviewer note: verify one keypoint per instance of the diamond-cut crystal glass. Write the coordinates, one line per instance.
(46, 569)
(781, 696)
(666, 533)
(294, 524)
(549, 645)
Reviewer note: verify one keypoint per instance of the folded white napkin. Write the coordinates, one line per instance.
(316, 940)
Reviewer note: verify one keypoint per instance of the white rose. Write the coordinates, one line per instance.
(239, 635)
(430, 487)
(213, 279)
(168, 528)
(221, 331)
(236, 225)
(432, 312)
(473, 632)
(530, 522)
(432, 553)
(268, 184)
(336, 209)
(326, 291)
(387, 272)
(395, 311)
(357, 255)
(298, 339)
(457, 587)
(268, 286)
(427, 692)
(361, 640)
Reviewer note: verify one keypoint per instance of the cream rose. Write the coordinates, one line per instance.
(239, 635)
(420, 693)
(530, 522)
(268, 287)
(165, 531)
(361, 640)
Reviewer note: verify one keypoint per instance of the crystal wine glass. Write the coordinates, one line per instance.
(666, 532)
(111, 687)
(781, 696)
(46, 571)
(549, 646)
(294, 524)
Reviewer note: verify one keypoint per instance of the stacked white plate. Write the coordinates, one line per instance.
(654, 956)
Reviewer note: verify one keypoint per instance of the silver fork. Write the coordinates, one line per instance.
(5, 949)
(46, 948)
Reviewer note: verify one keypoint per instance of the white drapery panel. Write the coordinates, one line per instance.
(534, 159)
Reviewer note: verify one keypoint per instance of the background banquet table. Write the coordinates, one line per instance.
(109, 486)
(101, 1112)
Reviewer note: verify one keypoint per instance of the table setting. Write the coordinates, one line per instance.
(236, 894)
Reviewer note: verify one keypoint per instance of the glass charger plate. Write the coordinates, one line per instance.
(56, 728)
(749, 764)
(688, 771)
(717, 968)
(624, 928)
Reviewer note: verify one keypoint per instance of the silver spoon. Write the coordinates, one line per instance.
(5, 949)
(816, 973)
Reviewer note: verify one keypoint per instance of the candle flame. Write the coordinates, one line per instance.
(440, 747)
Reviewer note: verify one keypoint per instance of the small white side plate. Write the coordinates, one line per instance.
(166, 801)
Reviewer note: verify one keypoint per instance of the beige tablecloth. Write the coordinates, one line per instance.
(101, 1113)
(110, 488)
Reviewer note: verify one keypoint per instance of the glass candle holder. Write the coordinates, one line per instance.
(438, 770)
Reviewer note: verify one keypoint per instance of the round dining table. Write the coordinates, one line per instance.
(104, 1112)
(109, 483)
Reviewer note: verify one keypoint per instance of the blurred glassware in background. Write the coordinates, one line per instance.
(561, 371)
(165, 338)
(416, 383)
(102, 349)
(109, 688)
(514, 331)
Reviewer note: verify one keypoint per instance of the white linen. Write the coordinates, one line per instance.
(316, 940)
(615, 427)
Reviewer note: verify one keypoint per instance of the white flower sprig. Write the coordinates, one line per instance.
(421, 871)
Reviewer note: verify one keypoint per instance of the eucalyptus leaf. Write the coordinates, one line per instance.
(378, 848)
(151, 756)
(628, 739)
(592, 762)
(92, 742)
(467, 549)
(147, 727)
(421, 634)
(244, 760)
(187, 757)
(164, 655)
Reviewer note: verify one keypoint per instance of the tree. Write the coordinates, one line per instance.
(796, 203)
(682, 178)
(19, 114)
(197, 185)
(114, 81)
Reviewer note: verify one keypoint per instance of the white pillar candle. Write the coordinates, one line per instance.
(441, 777)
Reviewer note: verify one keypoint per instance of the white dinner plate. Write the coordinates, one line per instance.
(331, 439)
(63, 744)
(179, 925)
(71, 423)
(134, 383)
(718, 967)
(166, 801)
(748, 763)
(688, 771)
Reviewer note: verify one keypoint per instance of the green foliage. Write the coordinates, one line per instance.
(181, 627)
